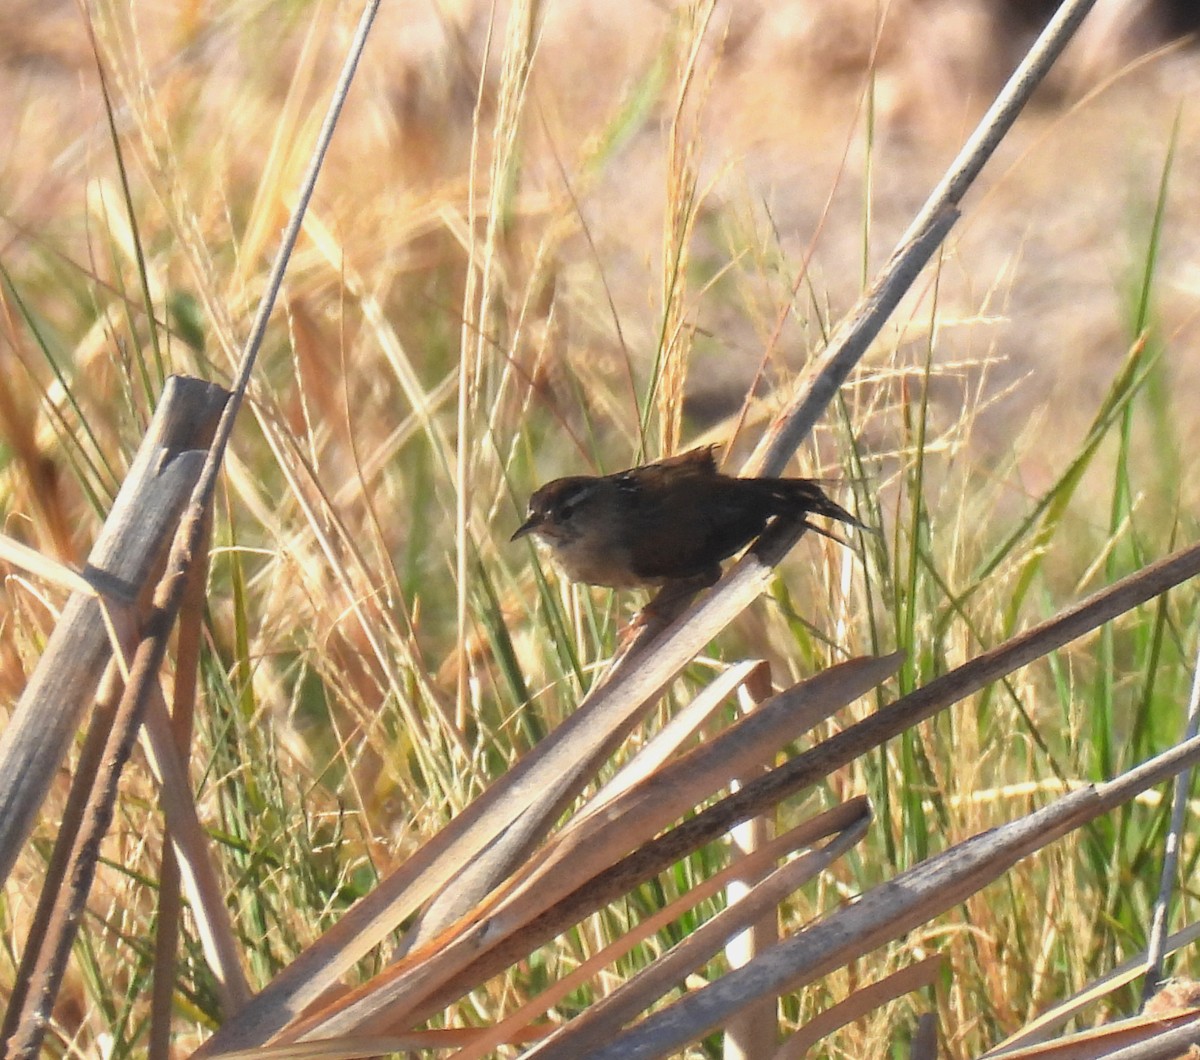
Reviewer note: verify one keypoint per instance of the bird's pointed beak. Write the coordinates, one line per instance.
(527, 527)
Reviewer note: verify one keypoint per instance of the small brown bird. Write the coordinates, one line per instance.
(674, 520)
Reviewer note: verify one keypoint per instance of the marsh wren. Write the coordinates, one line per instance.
(671, 521)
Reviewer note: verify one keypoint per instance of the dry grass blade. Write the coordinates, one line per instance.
(887, 911)
(681, 726)
(44, 567)
(512, 924)
(752, 1032)
(1177, 1044)
(520, 935)
(598, 837)
(840, 818)
(128, 553)
(1167, 1035)
(1156, 947)
(1041, 1028)
(591, 1030)
(864, 999)
(191, 847)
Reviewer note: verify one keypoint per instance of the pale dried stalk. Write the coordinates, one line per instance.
(838, 819)
(886, 912)
(514, 920)
(592, 1029)
(127, 556)
(864, 1000)
(754, 1031)
(170, 894)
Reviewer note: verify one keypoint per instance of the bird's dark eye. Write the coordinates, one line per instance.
(571, 501)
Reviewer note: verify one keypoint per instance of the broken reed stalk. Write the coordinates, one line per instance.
(884, 913)
(170, 883)
(156, 492)
(123, 565)
(753, 1031)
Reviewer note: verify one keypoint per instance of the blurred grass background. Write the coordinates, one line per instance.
(564, 241)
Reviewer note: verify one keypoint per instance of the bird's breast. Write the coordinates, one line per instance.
(582, 562)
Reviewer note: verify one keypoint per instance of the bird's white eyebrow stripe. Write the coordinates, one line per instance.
(580, 492)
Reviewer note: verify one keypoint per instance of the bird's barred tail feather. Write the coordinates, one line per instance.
(803, 496)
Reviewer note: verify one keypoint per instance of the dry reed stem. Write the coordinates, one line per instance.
(593, 1028)
(166, 938)
(666, 796)
(931, 225)
(128, 553)
(753, 1032)
(840, 818)
(864, 1000)
(910, 899)
(511, 922)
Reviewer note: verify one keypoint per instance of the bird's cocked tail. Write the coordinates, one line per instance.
(801, 496)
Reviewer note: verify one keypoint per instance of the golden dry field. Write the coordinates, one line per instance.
(567, 238)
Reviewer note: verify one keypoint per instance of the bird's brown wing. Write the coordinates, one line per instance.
(688, 530)
(700, 462)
